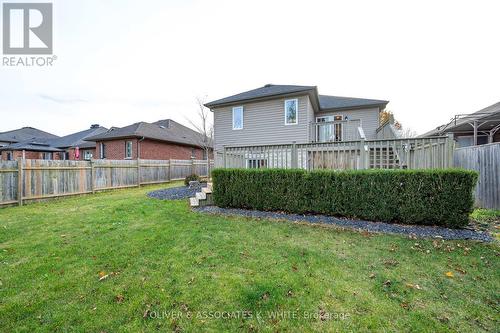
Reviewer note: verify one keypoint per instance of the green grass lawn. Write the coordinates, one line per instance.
(119, 261)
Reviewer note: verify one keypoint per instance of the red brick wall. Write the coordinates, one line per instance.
(72, 151)
(149, 149)
(29, 155)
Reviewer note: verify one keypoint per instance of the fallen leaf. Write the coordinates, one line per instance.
(101, 274)
(387, 283)
(372, 275)
(413, 286)
(449, 274)
(119, 298)
(104, 277)
(294, 268)
(265, 296)
(289, 293)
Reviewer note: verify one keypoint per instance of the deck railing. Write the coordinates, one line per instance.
(411, 153)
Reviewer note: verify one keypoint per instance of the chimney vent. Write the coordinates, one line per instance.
(94, 126)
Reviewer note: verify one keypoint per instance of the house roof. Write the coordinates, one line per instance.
(32, 145)
(78, 139)
(162, 130)
(487, 118)
(25, 133)
(337, 102)
(266, 91)
(323, 102)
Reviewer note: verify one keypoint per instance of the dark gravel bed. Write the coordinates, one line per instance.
(175, 193)
(378, 227)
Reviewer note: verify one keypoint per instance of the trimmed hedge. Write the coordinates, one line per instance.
(428, 197)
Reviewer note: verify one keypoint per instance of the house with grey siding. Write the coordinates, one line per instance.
(283, 114)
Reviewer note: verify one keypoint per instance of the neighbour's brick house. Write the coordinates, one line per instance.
(161, 140)
(11, 140)
(50, 147)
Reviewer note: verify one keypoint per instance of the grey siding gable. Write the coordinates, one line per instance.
(369, 119)
(263, 124)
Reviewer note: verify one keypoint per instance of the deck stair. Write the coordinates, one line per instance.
(203, 198)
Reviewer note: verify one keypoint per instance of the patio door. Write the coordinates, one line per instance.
(329, 131)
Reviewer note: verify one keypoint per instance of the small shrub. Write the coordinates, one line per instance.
(191, 178)
(430, 197)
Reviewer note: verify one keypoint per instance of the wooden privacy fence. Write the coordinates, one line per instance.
(24, 180)
(485, 159)
(425, 153)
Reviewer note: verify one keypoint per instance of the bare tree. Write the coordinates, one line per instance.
(204, 126)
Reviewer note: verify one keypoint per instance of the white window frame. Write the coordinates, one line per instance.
(127, 142)
(297, 115)
(87, 155)
(101, 151)
(257, 163)
(334, 131)
(242, 115)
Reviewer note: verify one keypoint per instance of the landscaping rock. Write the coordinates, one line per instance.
(176, 193)
(419, 231)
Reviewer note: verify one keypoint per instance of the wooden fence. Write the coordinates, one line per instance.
(25, 180)
(485, 159)
(425, 153)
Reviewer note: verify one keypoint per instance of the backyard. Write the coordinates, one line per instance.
(120, 261)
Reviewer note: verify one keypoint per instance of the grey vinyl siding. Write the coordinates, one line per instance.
(263, 124)
(369, 119)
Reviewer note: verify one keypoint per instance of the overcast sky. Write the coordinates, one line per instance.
(120, 62)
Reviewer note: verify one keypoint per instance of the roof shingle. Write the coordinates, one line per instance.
(325, 102)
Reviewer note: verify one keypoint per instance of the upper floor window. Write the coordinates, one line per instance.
(237, 117)
(128, 149)
(291, 111)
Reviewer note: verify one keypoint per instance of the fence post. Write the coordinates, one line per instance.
(138, 172)
(170, 170)
(92, 176)
(295, 159)
(362, 155)
(193, 166)
(224, 157)
(20, 181)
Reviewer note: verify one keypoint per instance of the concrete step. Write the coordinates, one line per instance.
(206, 190)
(201, 195)
(209, 186)
(194, 202)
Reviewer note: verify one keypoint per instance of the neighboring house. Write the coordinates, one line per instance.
(76, 147)
(69, 147)
(282, 114)
(18, 136)
(161, 140)
(473, 129)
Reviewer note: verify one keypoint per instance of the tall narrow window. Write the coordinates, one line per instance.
(128, 149)
(237, 117)
(291, 111)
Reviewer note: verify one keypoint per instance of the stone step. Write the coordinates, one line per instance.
(201, 195)
(194, 202)
(209, 186)
(206, 190)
